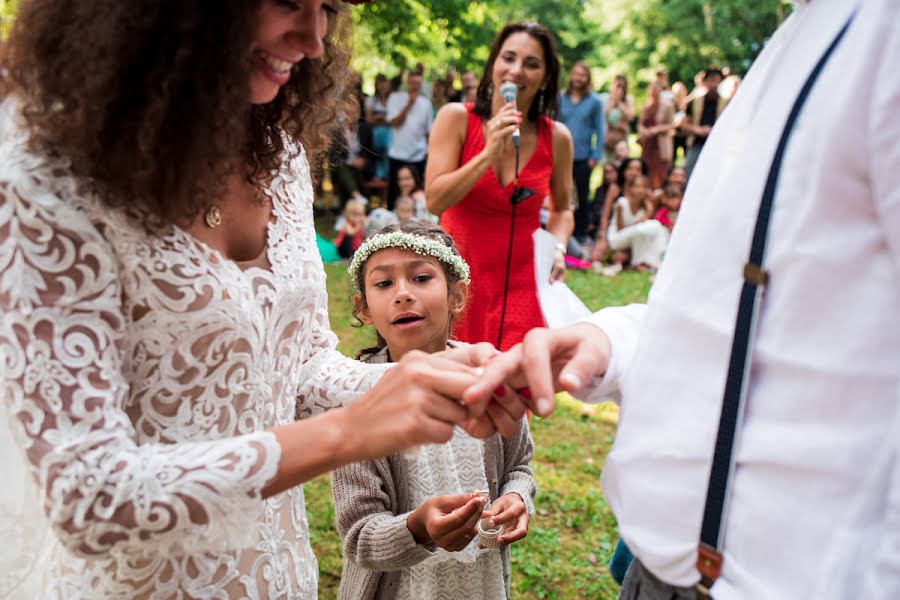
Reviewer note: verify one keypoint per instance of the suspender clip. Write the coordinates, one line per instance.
(755, 274)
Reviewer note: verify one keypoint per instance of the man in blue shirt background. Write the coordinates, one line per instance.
(581, 111)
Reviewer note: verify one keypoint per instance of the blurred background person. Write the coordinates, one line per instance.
(607, 185)
(376, 117)
(353, 228)
(654, 134)
(410, 186)
(581, 111)
(619, 113)
(410, 116)
(469, 89)
(632, 228)
(439, 93)
(667, 213)
(628, 170)
(729, 87)
(701, 114)
(679, 100)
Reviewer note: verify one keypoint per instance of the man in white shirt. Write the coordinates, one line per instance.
(410, 116)
(814, 505)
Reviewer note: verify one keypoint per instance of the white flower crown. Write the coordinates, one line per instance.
(408, 241)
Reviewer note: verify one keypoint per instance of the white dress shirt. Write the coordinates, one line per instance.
(814, 510)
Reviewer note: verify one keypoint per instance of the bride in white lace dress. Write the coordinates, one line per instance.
(164, 329)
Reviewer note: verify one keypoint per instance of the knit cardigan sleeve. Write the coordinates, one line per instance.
(365, 502)
(518, 475)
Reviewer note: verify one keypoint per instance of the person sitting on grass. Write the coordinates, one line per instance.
(405, 209)
(410, 185)
(632, 229)
(625, 172)
(670, 204)
(354, 226)
(409, 523)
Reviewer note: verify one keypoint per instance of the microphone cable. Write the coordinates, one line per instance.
(512, 229)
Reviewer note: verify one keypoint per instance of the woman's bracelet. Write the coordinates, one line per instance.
(560, 248)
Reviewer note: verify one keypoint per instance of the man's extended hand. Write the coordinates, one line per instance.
(547, 360)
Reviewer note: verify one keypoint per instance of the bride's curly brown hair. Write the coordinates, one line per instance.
(148, 99)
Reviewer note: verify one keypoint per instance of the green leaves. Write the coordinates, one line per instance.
(7, 11)
(635, 37)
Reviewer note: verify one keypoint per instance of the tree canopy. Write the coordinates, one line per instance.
(635, 37)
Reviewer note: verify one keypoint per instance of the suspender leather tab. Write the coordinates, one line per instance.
(755, 274)
(709, 563)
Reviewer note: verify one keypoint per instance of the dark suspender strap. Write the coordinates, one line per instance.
(709, 560)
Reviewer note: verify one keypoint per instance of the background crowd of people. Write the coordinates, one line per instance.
(389, 146)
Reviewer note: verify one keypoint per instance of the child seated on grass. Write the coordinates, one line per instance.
(405, 209)
(670, 204)
(409, 523)
(350, 237)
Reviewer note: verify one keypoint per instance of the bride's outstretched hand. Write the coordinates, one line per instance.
(416, 402)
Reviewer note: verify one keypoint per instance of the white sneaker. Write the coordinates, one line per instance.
(611, 270)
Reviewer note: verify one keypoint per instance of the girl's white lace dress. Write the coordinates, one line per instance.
(138, 373)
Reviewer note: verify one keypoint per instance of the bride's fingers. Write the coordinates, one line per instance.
(503, 368)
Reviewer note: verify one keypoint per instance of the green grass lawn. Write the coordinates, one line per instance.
(573, 533)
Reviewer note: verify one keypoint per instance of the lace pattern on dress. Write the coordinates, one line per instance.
(456, 467)
(139, 371)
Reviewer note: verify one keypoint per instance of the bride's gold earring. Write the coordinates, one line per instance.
(213, 217)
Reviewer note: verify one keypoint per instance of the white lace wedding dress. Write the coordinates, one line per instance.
(138, 374)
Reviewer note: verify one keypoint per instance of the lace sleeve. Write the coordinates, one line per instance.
(332, 379)
(327, 379)
(64, 392)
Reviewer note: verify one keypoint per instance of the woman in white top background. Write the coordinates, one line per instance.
(633, 228)
(165, 341)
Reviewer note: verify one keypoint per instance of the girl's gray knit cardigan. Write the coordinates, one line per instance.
(371, 507)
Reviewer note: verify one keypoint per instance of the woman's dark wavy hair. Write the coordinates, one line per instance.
(418, 183)
(415, 227)
(645, 169)
(148, 99)
(550, 93)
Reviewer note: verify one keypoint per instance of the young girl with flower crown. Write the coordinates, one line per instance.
(415, 525)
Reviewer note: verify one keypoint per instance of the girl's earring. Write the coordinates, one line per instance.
(491, 90)
(541, 101)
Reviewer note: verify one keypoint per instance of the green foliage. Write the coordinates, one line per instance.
(454, 33)
(685, 36)
(7, 12)
(635, 37)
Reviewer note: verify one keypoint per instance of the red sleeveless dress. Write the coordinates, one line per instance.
(479, 224)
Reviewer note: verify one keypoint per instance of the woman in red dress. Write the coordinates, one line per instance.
(471, 176)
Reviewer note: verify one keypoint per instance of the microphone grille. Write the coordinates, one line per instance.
(508, 91)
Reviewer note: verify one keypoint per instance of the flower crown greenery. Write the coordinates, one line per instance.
(408, 241)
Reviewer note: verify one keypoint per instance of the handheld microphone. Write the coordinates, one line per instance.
(508, 92)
